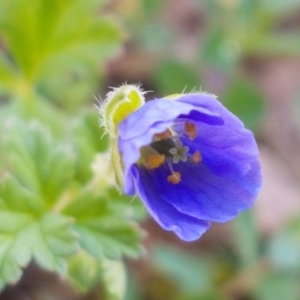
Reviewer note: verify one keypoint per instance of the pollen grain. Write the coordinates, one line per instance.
(196, 157)
(190, 129)
(154, 161)
(174, 178)
(164, 135)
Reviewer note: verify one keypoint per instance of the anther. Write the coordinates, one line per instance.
(154, 161)
(190, 129)
(164, 135)
(196, 157)
(174, 178)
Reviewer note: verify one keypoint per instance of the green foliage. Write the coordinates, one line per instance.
(114, 278)
(246, 239)
(277, 287)
(47, 215)
(244, 100)
(190, 274)
(58, 206)
(219, 49)
(50, 54)
(27, 233)
(102, 230)
(37, 162)
(89, 139)
(284, 248)
(174, 77)
(239, 29)
(84, 271)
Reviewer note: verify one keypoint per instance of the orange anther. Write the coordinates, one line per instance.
(154, 161)
(164, 135)
(190, 129)
(174, 178)
(196, 157)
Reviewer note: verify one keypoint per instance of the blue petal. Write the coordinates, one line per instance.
(186, 227)
(162, 110)
(205, 195)
(210, 103)
(224, 148)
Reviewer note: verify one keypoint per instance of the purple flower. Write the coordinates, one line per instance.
(190, 161)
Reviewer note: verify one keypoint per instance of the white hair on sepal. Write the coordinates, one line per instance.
(109, 107)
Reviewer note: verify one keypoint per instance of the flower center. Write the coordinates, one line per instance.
(167, 149)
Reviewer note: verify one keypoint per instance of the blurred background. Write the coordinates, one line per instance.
(58, 56)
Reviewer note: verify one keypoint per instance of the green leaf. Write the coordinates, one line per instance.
(277, 287)
(151, 6)
(79, 55)
(23, 199)
(247, 9)
(37, 161)
(89, 139)
(189, 273)
(44, 27)
(84, 271)
(132, 208)
(51, 54)
(154, 37)
(280, 7)
(104, 229)
(246, 239)
(276, 44)
(244, 100)
(53, 240)
(7, 75)
(174, 77)
(26, 234)
(284, 248)
(114, 278)
(220, 48)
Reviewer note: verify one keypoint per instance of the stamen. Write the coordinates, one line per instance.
(174, 178)
(164, 135)
(154, 161)
(190, 129)
(196, 157)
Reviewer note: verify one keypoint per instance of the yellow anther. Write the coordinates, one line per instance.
(190, 129)
(164, 135)
(154, 161)
(196, 157)
(174, 178)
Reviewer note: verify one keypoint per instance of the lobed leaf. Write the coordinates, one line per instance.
(103, 230)
(114, 277)
(26, 234)
(84, 271)
(50, 53)
(37, 162)
(89, 139)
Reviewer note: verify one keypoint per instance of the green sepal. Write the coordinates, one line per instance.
(118, 105)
